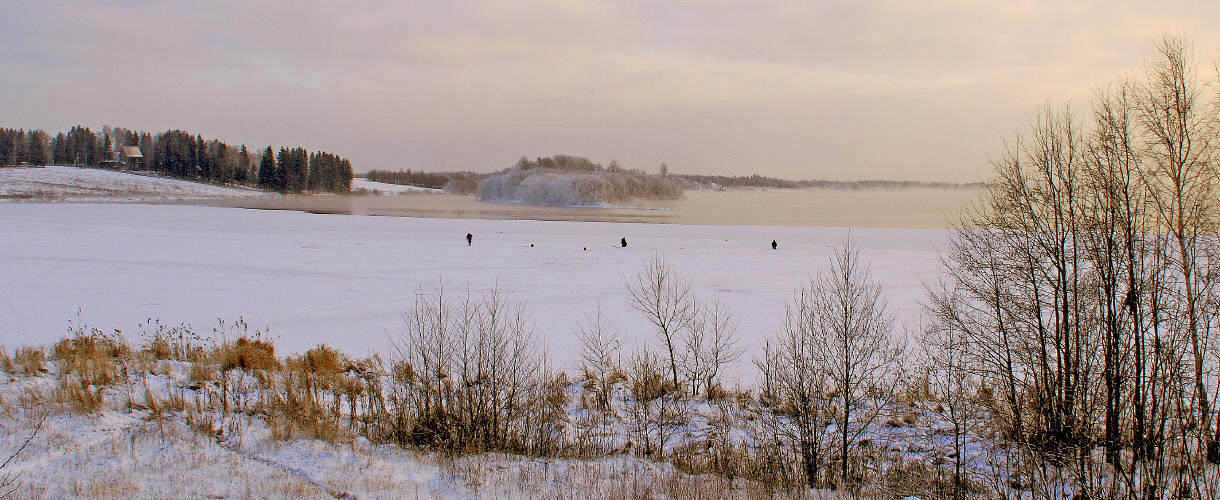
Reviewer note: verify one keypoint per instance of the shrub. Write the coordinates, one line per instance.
(248, 354)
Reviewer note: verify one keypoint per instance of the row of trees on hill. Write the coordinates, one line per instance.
(18, 146)
(296, 170)
(181, 154)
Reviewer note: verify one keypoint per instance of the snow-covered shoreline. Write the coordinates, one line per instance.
(141, 445)
(63, 183)
(359, 183)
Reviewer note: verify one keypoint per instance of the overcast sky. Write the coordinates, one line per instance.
(843, 90)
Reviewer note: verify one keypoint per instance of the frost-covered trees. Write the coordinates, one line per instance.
(571, 180)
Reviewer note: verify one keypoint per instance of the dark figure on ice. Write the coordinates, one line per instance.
(774, 245)
(469, 239)
(623, 242)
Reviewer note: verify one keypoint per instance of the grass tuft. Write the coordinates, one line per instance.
(248, 354)
(29, 361)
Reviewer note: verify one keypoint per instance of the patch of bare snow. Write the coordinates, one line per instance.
(382, 187)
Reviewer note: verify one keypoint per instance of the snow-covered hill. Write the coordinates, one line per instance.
(61, 183)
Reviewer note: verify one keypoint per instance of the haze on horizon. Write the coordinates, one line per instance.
(838, 90)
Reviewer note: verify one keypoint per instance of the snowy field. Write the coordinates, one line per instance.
(346, 280)
(59, 183)
(362, 183)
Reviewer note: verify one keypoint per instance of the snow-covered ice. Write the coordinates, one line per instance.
(61, 183)
(346, 280)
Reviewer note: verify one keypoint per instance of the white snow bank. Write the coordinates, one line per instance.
(362, 183)
(60, 183)
(346, 280)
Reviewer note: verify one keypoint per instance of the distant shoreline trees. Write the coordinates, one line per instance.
(777, 183)
(181, 154)
(467, 182)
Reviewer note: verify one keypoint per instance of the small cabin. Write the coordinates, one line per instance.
(132, 157)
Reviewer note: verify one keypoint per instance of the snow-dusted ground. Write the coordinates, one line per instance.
(127, 451)
(60, 183)
(346, 280)
(362, 183)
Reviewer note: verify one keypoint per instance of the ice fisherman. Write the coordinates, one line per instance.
(469, 239)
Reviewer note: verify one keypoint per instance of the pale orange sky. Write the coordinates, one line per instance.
(842, 90)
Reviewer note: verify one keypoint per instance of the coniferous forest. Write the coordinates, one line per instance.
(180, 154)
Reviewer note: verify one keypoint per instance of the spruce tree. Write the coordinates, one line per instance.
(241, 174)
(266, 170)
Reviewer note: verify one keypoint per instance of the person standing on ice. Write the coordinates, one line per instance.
(623, 242)
(469, 239)
(774, 245)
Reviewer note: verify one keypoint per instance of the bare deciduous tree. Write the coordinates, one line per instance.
(954, 383)
(836, 361)
(852, 337)
(709, 342)
(666, 300)
(469, 371)
(1085, 284)
(1182, 176)
(599, 354)
(655, 408)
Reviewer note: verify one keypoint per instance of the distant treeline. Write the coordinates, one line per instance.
(452, 182)
(467, 182)
(180, 154)
(408, 177)
(772, 182)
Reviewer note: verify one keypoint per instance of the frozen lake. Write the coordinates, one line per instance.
(345, 280)
(882, 208)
